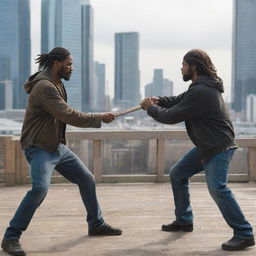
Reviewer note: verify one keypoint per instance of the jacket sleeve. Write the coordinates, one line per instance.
(192, 105)
(168, 102)
(48, 98)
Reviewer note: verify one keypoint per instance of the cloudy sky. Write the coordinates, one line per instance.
(167, 28)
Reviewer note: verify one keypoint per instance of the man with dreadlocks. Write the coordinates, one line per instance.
(209, 127)
(43, 141)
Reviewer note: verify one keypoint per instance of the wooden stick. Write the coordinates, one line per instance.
(129, 110)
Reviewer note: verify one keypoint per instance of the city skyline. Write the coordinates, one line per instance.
(167, 31)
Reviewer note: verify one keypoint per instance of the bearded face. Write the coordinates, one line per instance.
(188, 76)
(66, 69)
(186, 71)
(65, 74)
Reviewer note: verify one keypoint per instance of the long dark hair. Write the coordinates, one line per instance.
(46, 60)
(202, 62)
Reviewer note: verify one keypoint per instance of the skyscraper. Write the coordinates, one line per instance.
(158, 82)
(6, 93)
(160, 86)
(127, 75)
(244, 53)
(149, 90)
(250, 108)
(99, 97)
(61, 26)
(88, 88)
(15, 47)
(167, 87)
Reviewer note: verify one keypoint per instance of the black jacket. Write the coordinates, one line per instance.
(205, 114)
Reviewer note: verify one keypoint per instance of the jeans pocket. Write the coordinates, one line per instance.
(29, 152)
(230, 154)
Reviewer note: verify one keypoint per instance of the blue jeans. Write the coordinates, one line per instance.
(216, 170)
(42, 164)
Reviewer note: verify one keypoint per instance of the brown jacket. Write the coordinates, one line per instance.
(47, 114)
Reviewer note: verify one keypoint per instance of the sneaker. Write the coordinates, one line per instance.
(104, 230)
(175, 226)
(236, 244)
(13, 247)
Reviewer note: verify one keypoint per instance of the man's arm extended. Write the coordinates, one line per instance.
(190, 107)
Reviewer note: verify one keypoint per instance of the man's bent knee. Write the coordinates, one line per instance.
(39, 192)
(174, 173)
(86, 177)
(219, 192)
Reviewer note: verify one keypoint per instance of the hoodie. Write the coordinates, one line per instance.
(206, 117)
(47, 114)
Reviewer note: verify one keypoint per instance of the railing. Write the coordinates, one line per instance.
(15, 170)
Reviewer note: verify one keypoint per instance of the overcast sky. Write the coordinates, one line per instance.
(167, 28)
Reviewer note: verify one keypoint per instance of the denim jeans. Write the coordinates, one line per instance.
(216, 170)
(42, 164)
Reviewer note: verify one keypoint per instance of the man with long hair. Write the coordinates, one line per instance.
(43, 141)
(210, 129)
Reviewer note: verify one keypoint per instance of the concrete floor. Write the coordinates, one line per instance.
(59, 229)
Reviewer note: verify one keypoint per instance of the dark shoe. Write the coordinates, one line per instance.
(236, 244)
(175, 226)
(104, 230)
(13, 247)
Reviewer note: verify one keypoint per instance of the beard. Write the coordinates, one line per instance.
(188, 76)
(64, 74)
(67, 76)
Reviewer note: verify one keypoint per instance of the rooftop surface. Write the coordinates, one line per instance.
(59, 229)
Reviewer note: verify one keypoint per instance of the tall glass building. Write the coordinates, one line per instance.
(127, 75)
(88, 86)
(15, 49)
(244, 53)
(61, 26)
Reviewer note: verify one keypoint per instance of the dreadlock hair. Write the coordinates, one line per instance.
(46, 60)
(202, 63)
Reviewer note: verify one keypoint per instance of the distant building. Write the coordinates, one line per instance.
(64, 23)
(87, 68)
(149, 90)
(6, 94)
(127, 75)
(251, 108)
(160, 86)
(158, 82)
(244, 53)
(15, 49)
(167, 87)
(99, 99)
